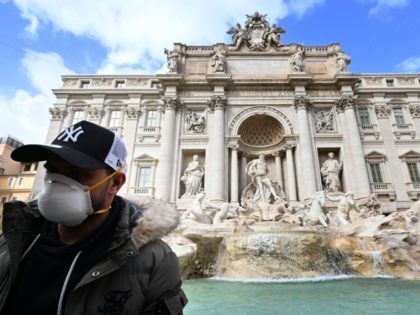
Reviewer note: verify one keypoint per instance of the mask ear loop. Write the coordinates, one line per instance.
(87, 189)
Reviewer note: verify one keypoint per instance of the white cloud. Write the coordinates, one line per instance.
(410, 65)
(382, 6)
(135, 32)
(25, 113)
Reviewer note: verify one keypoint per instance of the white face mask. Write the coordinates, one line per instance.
(65, 200)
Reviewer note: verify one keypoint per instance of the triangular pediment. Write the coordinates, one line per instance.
(375, 155)
(145, 157)
(410, 155)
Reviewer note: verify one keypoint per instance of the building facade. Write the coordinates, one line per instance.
(229, 103)
(16, 179)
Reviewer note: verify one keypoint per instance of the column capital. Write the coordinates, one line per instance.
(302, 102)
(58, 113)
(171, 103)
(346, 101)
(132, 112)
(289, 146)
(382, 111)
(217, 102)
(414, 110)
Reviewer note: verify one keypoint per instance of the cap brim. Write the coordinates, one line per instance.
(38, 152)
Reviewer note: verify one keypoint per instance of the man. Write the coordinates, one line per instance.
(257, 169)
(80, 249)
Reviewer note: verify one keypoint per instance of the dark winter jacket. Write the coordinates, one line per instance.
(139, 273)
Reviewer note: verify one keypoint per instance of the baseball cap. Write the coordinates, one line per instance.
(84, 145)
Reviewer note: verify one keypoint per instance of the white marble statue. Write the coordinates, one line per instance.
(193, 176)
(369, 206)
(172, 60)
(297, 60)
(226, 211)
(340, 217)
(316, 213)
(343, 61)
(257, 169)
(330, 172)
(218, 61)
(195, 211)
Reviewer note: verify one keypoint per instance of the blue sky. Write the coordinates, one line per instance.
(40, 40)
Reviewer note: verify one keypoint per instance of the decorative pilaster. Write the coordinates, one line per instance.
(307, 154)
(164, 170)
(360, 176)
(291, 177)
(216, 148)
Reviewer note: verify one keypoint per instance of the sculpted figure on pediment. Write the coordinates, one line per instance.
(297, 60)
(343, 61)
(257, 34)
(172, 60)
(218, 61)
(239, 35)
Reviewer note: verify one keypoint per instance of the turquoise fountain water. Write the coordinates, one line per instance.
(339, 295)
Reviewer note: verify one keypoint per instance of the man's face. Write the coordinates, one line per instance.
(87, 177)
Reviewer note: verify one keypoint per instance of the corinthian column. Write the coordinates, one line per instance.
(308, 177)
(164, 169)
(216, 151)
(291, 178)
(352, 137)
(277, 160)
(234, 174)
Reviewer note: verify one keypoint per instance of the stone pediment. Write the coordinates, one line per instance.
(257, 34)
(410, 155)
(145, 158)
(375, 155)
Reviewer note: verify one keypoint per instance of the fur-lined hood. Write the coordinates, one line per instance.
(150, 219)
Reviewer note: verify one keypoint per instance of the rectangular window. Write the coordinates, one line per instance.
(36, 166)
(414, 172)
(77, 116)
(114, 118)
(399, 117)
(14, 198)
(10, 181)
(20, 181)
(1, 171)
(3, 199)
(26, 167)
(390, 82)
(84, 84)
(151, 118)
(143, 177)
(375, 171)
(119, 83)
(364, 116)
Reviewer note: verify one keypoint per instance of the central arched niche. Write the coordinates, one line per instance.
(260, 132)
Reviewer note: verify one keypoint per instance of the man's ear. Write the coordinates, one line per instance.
(117, 181)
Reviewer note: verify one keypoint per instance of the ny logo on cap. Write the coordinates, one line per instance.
(71, 134)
